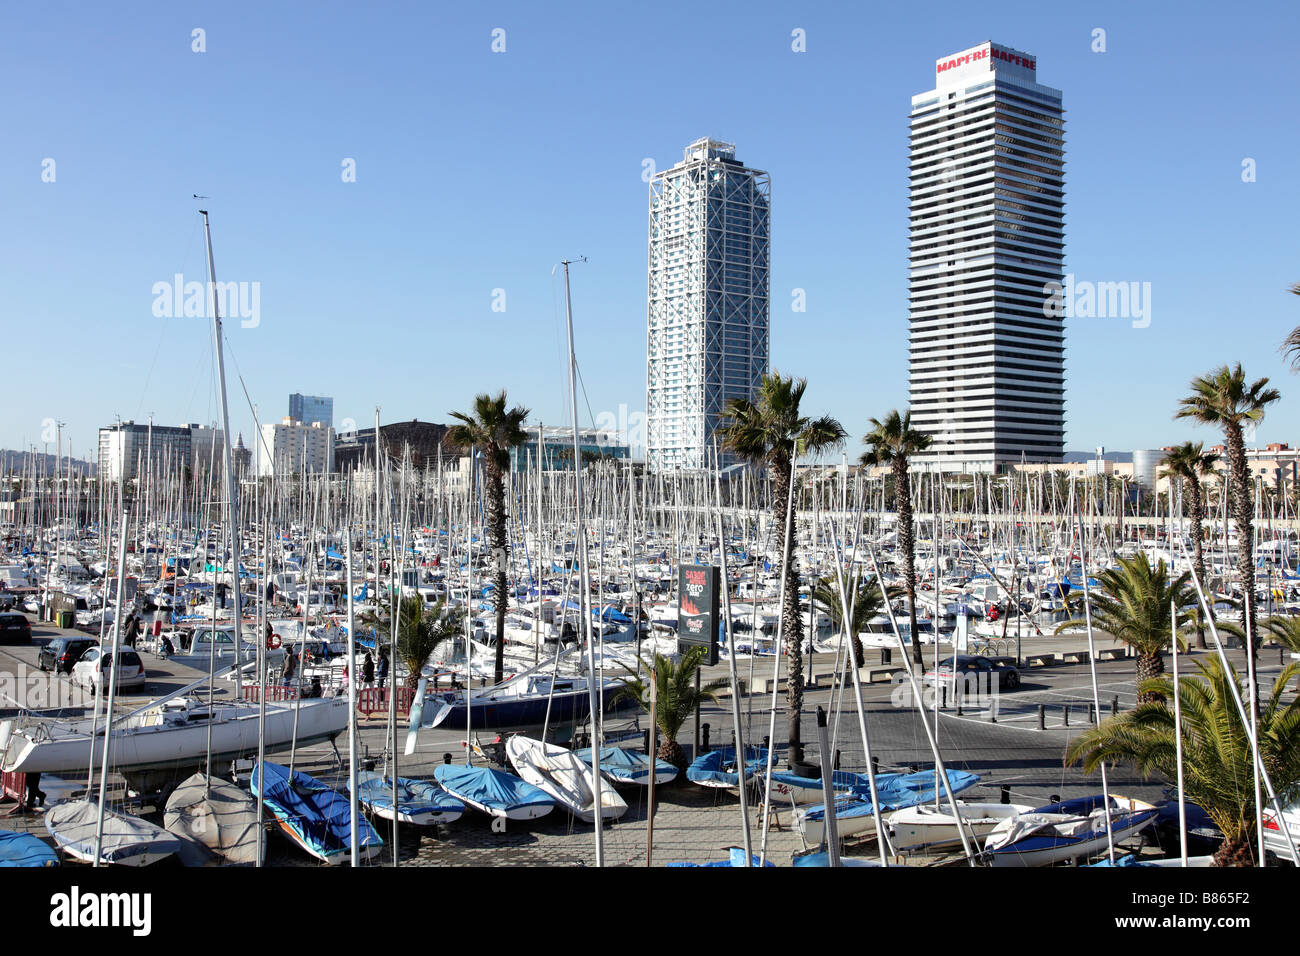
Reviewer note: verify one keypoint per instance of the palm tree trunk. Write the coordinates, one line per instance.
(496, 522)
(1242, 513)
(1198, 515)
(1149, 666)
(791, 623)
(903, 495)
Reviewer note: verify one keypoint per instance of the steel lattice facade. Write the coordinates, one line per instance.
(707, 336)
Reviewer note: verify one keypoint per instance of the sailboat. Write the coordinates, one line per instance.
(218, 814)
(313, 816)
(558, 772)
(419, 802)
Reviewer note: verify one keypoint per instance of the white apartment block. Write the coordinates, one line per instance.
(987, 369)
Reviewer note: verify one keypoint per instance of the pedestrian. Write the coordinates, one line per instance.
(343, 692)
(132, 630)
(381, 675)
(368, 671)
(290, 666)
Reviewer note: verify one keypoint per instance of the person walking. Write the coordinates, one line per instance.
(381, 674)
(290, 667)
(368, 671)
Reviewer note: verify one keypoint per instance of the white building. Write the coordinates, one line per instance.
(987, 239)
(290, 447)
(126, 448)
(707, 326)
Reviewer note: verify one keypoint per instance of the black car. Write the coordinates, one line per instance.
(970, 666)
(15, 628)
(61, 653)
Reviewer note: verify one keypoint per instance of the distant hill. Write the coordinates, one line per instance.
(20, 462)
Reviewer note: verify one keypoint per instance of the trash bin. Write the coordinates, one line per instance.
(66, 619)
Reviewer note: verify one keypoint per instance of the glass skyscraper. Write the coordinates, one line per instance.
(987, 374)
(707, 326)
(311, 408)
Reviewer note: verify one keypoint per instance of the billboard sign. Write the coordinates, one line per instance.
(697, 610)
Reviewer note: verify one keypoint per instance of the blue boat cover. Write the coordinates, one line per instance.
(413, 796)
(625, 765)
(490, 788)
(319, 816)
(719, 766)
(897, 791)
(735, 859)
(23, 849)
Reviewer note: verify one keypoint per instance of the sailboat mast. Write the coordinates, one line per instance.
(584, 591)
(232, 502)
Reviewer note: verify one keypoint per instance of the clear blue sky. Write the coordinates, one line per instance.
(478, 171)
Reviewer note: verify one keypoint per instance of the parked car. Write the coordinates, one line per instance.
(91, 669)
(15, 628)
(971, 667)
(1275, 840)
(61, 653)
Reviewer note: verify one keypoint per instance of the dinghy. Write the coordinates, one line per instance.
(735, 858)
(23, 849)
(789, 786)
(854, 812)
(127, 840)
(622, 766)
(928, 825)
(1065, 831)
(493, 792)
(419, 802)
(717, 768)
(218, 814)
(557, 771)
(312, 815)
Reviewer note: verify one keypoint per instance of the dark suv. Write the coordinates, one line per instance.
(15, 628)
(62, 652)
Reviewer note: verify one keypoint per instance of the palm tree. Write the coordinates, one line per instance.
(495, 430)
(676, 698)
(1291, 347)
(1132, 606)
(1223, 398)
(1218, 767)
(420, 631)
(867, 602)
(1285, 629)
(771, 432)
(893, 442)
(1189, 463)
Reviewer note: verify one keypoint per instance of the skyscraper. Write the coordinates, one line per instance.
(707, 326)
(987, 242)
(311, 408)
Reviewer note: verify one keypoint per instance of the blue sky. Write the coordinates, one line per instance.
(478, 171)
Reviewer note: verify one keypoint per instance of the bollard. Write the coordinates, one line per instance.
(446, 758)
(1114, 706)
(704, 747)
(1065, 716)
(943, 697)
(646, 747)
(1006, 793)
(916, 768)
(1055, 798)
(1042, 716)
(875, 765)
(767, 742)
(1092, 713)
(836, 765)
